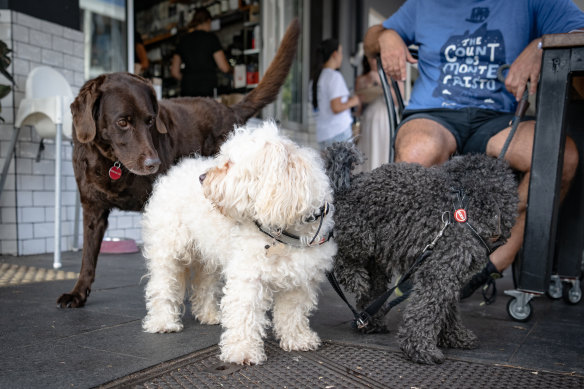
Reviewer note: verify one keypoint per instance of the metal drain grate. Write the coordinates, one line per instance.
(337, 365)
(11, 275)
(393, 370)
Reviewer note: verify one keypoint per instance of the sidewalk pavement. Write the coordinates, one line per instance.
(47, 347)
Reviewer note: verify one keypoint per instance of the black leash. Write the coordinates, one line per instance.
(362, 318)
(490, 291)
(519, 114)
(519, 111)
(379, 305)
(421, 258)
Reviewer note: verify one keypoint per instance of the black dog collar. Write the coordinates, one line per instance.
(290, 239)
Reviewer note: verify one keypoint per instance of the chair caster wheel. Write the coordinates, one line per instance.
(572, 294)
(519, 312)
(555, 289)
(519, 306)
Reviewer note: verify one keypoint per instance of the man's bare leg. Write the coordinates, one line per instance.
(519, 157)
(425, 142)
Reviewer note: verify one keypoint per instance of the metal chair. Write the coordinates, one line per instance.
(394, 113)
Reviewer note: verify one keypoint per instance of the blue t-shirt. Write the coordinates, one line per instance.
(462, 44)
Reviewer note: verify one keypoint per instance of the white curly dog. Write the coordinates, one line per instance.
(249, 230)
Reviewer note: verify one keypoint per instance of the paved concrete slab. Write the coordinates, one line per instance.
(47, 347)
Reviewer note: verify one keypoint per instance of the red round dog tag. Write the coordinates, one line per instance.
(460, 215)
(115, 171)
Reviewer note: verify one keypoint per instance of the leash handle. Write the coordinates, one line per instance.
(522, 105)
(519, 111)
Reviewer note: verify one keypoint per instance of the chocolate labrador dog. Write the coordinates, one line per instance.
(123, 138)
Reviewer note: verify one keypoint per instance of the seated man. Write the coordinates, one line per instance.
(458, 105)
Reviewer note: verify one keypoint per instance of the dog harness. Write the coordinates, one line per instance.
(285, 237)
(379, 305)
(460, 216)
(490, 290)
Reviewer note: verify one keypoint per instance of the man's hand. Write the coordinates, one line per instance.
(394, 54)
(524, 69)
(393, 50)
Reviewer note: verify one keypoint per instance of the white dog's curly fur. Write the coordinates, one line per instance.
(200, 226)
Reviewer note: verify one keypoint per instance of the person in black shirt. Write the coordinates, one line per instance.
(201, 53)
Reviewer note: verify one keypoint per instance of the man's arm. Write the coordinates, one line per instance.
(371, 40)
(142, 57)
(552, 17)
(175, 67)
(526, 68)
(393, 50)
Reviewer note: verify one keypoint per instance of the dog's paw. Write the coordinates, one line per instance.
(373, 328)
(209, 320)
(307, 341)
(462, 339)
(161, 325)
(428, 356)
(241, 355)
(208, 316)
(375, 325)
(72, 300)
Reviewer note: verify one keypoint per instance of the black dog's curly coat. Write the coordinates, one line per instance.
(385, 218)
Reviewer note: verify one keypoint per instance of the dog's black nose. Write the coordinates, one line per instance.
(202, 177)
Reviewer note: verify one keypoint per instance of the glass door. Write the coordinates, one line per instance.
(276, 16)
(104, 25)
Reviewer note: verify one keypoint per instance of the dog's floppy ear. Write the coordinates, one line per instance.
(83, 107)
(160, 126)
(284, 197)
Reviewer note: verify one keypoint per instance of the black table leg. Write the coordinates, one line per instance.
(544, 187)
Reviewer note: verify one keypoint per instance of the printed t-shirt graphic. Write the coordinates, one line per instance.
(469, 65)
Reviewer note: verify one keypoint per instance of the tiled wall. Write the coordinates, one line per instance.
(27, 201)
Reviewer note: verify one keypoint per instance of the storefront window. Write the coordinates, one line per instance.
(292, 91)
(104, 26)
(276, 16)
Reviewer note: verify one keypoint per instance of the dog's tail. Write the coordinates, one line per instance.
(339, 160)
(273, 78)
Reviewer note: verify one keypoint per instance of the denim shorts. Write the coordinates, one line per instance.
(472, 127)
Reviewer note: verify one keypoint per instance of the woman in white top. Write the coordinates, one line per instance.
(331, 100)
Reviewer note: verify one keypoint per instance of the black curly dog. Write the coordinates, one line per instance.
(385, 218)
